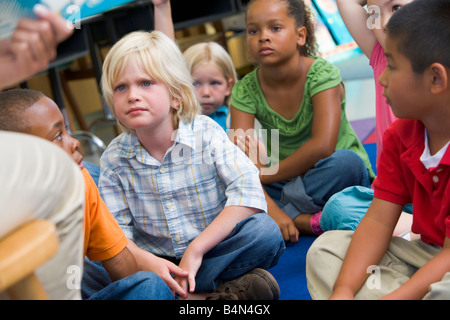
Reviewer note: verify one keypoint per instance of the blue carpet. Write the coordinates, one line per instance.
(371, 149)
(290, 270)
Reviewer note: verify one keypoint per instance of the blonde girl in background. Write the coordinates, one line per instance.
(214, 75)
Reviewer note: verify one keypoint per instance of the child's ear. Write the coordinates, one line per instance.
(230, 86)
(175, 104)
(301, 36)
(439, 78)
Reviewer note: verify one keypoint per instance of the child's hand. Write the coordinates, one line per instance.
(254, 149)
(341, 294)
(190, 262)
(147, 261)
(165, 269)
(287, 227)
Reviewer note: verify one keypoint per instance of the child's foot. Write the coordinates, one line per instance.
(257, 284)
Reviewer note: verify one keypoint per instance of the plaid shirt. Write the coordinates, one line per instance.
(163, 206)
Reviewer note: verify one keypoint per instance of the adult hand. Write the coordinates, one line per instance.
(32, 46)
(62, 29)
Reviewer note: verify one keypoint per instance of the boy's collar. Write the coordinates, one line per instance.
(185, 134)
(131, 147)
(414, 141)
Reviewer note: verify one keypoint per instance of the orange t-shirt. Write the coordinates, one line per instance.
(103, 238)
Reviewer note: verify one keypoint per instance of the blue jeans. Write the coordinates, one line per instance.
(309, 193)
(93, 170)
(255, 242)
(142, 285)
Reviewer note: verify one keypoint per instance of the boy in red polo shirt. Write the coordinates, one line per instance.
(413, 167)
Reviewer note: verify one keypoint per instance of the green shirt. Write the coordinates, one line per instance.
(248, 97)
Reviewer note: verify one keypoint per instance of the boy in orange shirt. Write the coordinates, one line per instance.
(31, 112)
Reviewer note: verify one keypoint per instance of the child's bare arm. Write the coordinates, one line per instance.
(323, 140)
(245, 121)
(433, 271)
(121, 265)
(241, 120)
(369, 243)
(215, 233)
(355, 18)
(163, 17)
(289, 231)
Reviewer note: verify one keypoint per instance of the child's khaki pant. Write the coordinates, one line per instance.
(402, 259)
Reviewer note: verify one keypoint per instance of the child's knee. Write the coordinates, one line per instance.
(327, 245)
(264, 235)
(347, 159)
(267, 228)
(345, 209)
(350, 166)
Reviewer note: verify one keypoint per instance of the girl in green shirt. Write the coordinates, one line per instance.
(300, 99)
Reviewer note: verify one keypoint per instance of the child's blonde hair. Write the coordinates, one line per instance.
(160, 57)
(212, 52)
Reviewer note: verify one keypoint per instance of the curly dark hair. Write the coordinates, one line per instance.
(303, 17)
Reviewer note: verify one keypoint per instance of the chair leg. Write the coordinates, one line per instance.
(29, 288)
(73, 103)
(23, 251)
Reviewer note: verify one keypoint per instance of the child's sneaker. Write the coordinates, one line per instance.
(257, 284)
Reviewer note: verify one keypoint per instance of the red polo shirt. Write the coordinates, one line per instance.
(402, 178)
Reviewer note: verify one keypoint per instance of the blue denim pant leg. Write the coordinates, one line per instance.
(255, 242)
(143, 285)
(310, 192)
(95, 278)
(342, 169)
